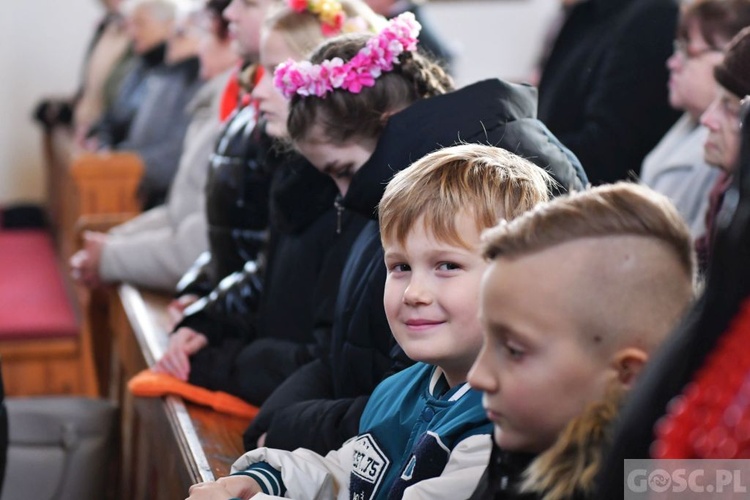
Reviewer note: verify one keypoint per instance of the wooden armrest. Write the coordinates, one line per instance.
(107, 182)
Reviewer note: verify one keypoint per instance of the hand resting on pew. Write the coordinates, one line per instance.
(85, 262)
(176, 359)
(225, 488)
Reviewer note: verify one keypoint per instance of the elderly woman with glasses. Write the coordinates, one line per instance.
(676, 166)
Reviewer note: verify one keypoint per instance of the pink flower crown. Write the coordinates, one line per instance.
(378, 55)
(330, 13)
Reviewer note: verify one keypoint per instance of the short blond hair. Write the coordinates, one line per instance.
(620, 209)
(488, 181)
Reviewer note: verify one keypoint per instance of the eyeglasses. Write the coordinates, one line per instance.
(683, 49)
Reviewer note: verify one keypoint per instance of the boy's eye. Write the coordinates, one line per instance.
(400, 268)
(448, 266)
(514, 351)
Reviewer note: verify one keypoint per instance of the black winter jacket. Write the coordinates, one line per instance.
(603, 89)
(237, 206)
(278, 314)
(319, 407)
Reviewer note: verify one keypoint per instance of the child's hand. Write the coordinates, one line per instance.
(225, 488)
(176, 360)
(176, 308)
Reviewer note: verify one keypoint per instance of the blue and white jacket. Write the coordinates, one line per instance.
(418, 438)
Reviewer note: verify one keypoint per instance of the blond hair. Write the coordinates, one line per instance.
(490, 182)
(620, 209)
(302, 30)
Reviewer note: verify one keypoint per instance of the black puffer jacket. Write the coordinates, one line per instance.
(278, 315)
(237, 205)
(319, 406)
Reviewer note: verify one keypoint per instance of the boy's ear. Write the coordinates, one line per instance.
(627, 363)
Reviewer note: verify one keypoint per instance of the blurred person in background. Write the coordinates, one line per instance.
(603, 86)
(157, 247)
(675, 167)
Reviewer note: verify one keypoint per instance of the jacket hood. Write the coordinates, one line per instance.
(490, 112)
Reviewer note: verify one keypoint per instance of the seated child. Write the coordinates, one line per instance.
(577, 294)
(423, 433)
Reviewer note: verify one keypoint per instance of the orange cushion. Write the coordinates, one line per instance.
(149, 384)
(33, 299)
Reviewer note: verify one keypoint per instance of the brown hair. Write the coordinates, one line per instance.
(344, 115)
(489, 181)
(219, 25)
(618, 209)
(717, 20)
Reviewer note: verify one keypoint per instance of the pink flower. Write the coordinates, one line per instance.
(298, 5)
(334, 71)
(355, 80)
(379, 54)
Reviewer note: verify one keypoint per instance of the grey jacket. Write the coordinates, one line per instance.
(159, 126)
(675, 168)
(156, 248)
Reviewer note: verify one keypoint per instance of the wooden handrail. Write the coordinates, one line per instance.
(205, 442)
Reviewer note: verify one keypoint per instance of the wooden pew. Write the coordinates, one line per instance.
(167, 444)
(83, 190)
(93, 187)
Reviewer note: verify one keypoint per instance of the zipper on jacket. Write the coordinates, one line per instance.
(339, 212)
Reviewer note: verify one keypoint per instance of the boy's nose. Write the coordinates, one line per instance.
(416, 293)
(481, 376)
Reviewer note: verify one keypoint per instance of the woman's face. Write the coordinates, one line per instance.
(338, 160)
(691, 80)
(215, 53)
(273, 106)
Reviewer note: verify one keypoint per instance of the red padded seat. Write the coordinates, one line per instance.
(34, 303)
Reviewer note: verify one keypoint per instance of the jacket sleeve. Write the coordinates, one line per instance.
(303, 473)
(466, 464)
(309, 382)
(319, 425)
(155, 218)
(230, 310)
(632, 82)
(154, 258)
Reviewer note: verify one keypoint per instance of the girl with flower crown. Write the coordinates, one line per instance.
(265, 315)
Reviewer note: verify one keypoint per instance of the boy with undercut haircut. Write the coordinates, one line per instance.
(578, 293)
(423, 433)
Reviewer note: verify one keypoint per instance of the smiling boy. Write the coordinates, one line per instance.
(423, 433)
(577, 294)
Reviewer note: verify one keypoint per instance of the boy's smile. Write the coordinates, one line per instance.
(431, 297)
